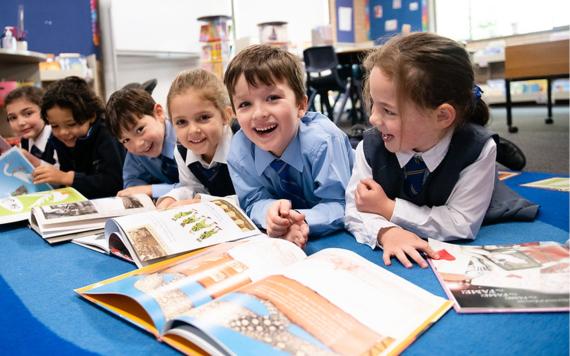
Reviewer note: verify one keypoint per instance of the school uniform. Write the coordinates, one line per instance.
(199, 177)
(315, 173)
(456, 194)
(160, 172)
(97, 160)
(40, 146)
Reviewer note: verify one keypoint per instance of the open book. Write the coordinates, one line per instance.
(16, 175)
(561, 184)
(529, 277)
(156, 235)
(62, 222)
(265, 296)
(18, 208)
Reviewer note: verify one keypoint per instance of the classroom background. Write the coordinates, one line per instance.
(115, 42)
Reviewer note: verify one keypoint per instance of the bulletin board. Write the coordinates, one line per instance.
(344, 21)
(389, 17)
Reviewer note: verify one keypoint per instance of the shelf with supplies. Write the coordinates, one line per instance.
(216, 44)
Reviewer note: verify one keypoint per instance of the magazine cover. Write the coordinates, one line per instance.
(557, 183)
(16, 175)
(529, 277)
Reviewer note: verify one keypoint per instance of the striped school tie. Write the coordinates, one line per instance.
(36, 151)
(415, 174)
(289, 188)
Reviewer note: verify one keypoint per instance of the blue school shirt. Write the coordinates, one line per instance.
(144, 170)
(321, 160)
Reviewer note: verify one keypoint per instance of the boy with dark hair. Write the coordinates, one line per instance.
(140, 124)
(289, 167)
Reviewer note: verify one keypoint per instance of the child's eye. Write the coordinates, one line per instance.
(181, 122)
(139, 130)
(243, 105)
(10, 118)
(272, 97)
(204, 117)
(388, 112)
(124, 141)
(28, 113)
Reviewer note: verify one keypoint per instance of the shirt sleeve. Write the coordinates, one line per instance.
(462, 215)
(134, 173)
(332, 163)
(364, 226)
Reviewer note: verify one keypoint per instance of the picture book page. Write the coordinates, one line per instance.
(173, 287)
(561, 184)
(333, 302)
(17, 208)
(511, 277)
(158, 234)
(16, 175)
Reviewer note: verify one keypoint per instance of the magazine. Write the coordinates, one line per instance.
(16, 175)
(528, 277)
(62, 222)
(557, 183)
(265, 296)
(156, 235)
(18, 208)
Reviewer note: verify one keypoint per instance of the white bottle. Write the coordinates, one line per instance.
(8, 40)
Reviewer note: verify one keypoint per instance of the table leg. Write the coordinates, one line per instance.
(548, 119)
(512, 129)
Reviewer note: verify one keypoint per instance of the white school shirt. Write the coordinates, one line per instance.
(460, 217)
(189, 185)
(41, 141)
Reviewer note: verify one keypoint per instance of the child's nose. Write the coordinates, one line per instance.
(259, 112)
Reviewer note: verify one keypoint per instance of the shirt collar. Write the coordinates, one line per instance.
(42, 139)
(169, 140)
(221, 151)
(291, 156)
(432, 157)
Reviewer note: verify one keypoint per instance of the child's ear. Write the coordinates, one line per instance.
(445, 115)
(228, 114)
(302, 107)
(158, 112)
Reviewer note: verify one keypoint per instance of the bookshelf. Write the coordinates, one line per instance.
(216, 45)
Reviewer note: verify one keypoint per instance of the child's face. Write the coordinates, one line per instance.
(146, 137)
(268, 115)
(418, 132)
(24, 118)
(64, 127)
(198, 123)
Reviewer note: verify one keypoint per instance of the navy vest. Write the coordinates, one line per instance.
(47, 155)
(220, 184)
(465, 146)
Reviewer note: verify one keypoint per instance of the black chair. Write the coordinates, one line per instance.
(321, 65)
(148, 86)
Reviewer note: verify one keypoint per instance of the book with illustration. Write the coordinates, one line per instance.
(63, 221)
(561, 184)
(527, 277)
(152, 236)
(264, 296)
(18, 208)
(16, 175)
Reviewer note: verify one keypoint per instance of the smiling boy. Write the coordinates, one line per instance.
(289, 167)
(139, 123)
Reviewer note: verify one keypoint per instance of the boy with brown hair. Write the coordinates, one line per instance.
(140, 124)
(289, 167)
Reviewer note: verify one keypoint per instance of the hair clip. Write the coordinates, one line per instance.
(477, 92)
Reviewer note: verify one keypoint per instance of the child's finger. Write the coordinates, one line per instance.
(284, 208)
(401, 255)
(369, 183)
(431, 253)
(415, 255)
(387, 258)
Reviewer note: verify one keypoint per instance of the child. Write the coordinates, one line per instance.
(23, 115)
(140, 125)
(427, 168)
(200, 111)
(90, 159)
(290, 167)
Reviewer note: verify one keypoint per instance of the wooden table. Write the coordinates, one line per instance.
(543, 60)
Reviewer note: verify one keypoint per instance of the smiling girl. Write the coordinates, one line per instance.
(199, 107)
(90, 159)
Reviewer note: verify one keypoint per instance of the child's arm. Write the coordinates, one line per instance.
(404, 245)
(136, 176)
(463, 213)
(50, 174)
(186, 189)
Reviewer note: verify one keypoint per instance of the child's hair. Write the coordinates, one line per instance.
(430, 70)
(74, 94)
(29, 93)
(206, 83)
(266, 64)
(126, 106)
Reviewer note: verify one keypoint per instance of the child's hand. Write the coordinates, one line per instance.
(278, 218)
(403, 244)
(169, 202)
(49, 174)
(371, 198)
(298, 234)
(139, 189)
